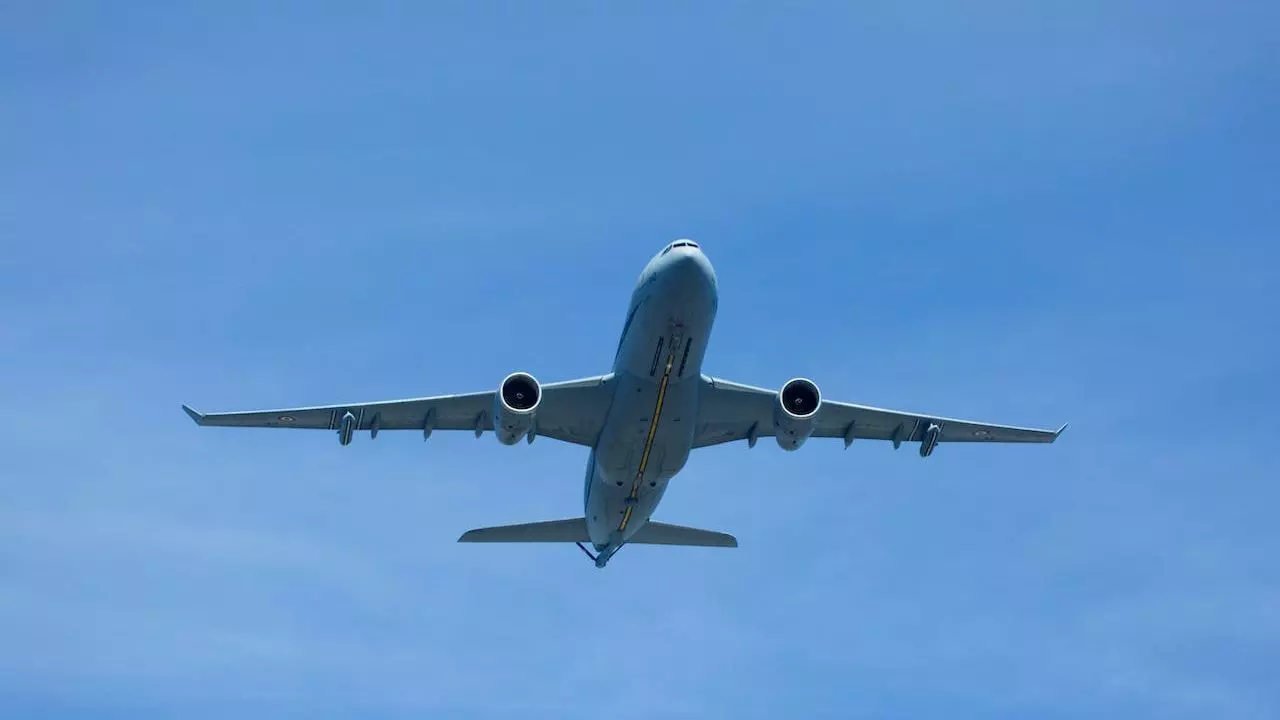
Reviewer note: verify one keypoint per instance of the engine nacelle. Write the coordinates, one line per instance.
(930, 439)
(346, 428)
(793, 415)
(514, 407)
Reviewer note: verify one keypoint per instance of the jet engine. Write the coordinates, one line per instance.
(514, 406)
(793, 416)
(930, 440)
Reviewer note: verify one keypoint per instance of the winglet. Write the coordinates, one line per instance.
(196, 416)
(1059, 430)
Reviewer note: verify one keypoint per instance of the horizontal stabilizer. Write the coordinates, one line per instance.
(574, 530)
(656, 533)
(566, 531)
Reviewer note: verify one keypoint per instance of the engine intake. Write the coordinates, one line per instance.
(515, 406)
(793, 416)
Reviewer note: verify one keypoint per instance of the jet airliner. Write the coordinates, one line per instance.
(641, 420)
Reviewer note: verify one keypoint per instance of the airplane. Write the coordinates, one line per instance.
(641, 420)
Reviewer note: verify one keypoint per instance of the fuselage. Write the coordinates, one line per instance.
(649, 430)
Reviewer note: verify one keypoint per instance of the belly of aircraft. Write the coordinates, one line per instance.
(647, 436)
(645, 443)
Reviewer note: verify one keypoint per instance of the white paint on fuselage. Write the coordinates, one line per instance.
(674, 303)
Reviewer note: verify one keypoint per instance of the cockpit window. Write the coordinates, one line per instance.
(679, 243)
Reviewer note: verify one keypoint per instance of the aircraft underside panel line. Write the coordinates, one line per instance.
(653, 427)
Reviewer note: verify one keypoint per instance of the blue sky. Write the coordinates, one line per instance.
(1011, 212)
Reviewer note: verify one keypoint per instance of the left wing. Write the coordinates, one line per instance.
(730, 411)
(572, 411)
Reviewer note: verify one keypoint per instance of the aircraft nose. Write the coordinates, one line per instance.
(689, 269)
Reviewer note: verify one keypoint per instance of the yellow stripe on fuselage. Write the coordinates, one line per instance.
(653, 431)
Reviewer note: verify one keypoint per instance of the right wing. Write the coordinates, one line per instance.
(572, 411)
(732, 411)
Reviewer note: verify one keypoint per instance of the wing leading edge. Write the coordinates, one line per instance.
(572, 411)
(732, 411)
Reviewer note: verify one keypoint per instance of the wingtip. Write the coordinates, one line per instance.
(1058, 433)
(195, 416)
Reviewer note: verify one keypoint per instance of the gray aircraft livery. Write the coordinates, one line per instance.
(641, 420)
